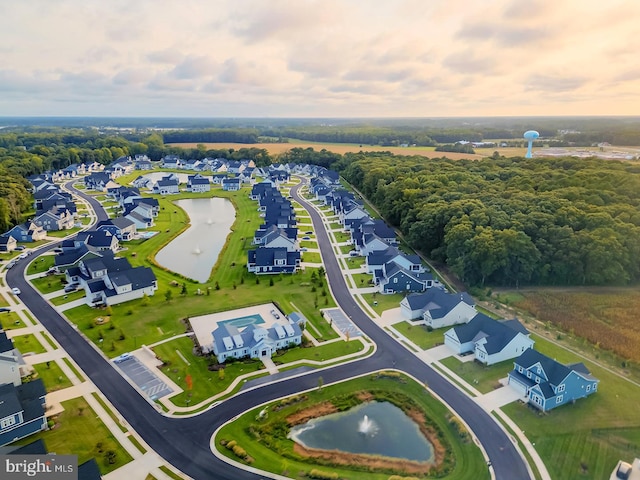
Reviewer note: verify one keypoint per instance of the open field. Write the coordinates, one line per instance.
(467, 460)
(341, 148)
(586, 439)
(606, 317)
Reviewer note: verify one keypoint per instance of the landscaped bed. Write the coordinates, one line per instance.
(261, 434)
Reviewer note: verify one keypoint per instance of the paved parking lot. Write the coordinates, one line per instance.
(144, 378)
(342, 322)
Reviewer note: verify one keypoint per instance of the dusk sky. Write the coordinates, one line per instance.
(324, 58)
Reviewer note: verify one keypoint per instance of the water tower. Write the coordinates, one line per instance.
(530, 136)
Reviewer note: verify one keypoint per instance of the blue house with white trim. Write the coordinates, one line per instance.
(547, 384)
(22, 410)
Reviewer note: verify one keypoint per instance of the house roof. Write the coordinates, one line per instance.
(37, 447)
(437, 301)
(555, 372)
(9, 401)
(72, 257)
(497, 334)
(6, 344)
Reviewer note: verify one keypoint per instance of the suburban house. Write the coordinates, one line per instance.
(10, 359)
(231, 184)
(141, 182)
(491, 341)
(547, 384)
(171, 161)
(58, 218)
(436, 308)
(72, 257)
(253, 341)
(141, 215)
(394, 278)
(97, 181)
(22, 410)
(101, 240)
(27, 232)
(278, 238)
(108, 280)
(123, 228)
(7, 243)
(264, 261)
(198, 183)
(167, 186)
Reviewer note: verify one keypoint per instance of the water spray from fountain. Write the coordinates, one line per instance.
(367, 427)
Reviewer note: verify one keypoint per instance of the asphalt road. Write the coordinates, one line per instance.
(184, 442)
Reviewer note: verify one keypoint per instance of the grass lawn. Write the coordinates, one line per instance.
(309, 244)
(311, 257)
(205, 383)
(467, 462)
(80, 432)
(67, 297)
(49, 284)
(63, 233)
(356, 262)
(419, 334)
(342, 237)
(41, 264)
(345, 248)
(586, 439)
(52, 376)
(385, 302)
(479, 376)
(363, 280)
(11, 321)
(320, 353)
(28, 344)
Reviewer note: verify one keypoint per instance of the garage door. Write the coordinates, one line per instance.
(517, 385)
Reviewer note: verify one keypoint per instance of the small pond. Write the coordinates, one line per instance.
(195, 251)
(375, 428)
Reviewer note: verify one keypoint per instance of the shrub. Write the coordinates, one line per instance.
(315, 473)
(238, 451)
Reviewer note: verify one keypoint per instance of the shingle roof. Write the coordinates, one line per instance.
(497, 334)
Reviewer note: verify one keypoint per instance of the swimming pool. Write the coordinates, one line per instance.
(244, 321)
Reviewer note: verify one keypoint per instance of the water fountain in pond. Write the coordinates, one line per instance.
(197, 250)
(209, 221)
(367, 427)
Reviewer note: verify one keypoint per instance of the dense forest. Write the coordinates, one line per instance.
(498, 221)
(512, 221)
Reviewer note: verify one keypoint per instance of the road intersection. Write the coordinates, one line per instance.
(184, 442)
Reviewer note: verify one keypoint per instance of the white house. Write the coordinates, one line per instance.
(491, 341)
(437, 308)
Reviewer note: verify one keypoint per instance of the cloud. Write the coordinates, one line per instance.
(168, 56)
(554, 83)
(468, 62)
(194, 67)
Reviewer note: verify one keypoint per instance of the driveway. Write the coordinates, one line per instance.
(498, 398)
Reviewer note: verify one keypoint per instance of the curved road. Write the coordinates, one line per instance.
(184, 442)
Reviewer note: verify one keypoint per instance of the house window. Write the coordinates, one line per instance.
(7, 422)
(537, 379)
(559, 398)
(395, 280)
(539, 370)
(595, 387)
(588, 388)
(520, 369)
(561, 388)
(528, 374)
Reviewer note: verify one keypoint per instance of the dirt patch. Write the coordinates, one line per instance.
(318, 410)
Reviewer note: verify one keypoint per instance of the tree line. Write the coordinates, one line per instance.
(512, 221)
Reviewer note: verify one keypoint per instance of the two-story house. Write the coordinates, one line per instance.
(547, 384)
